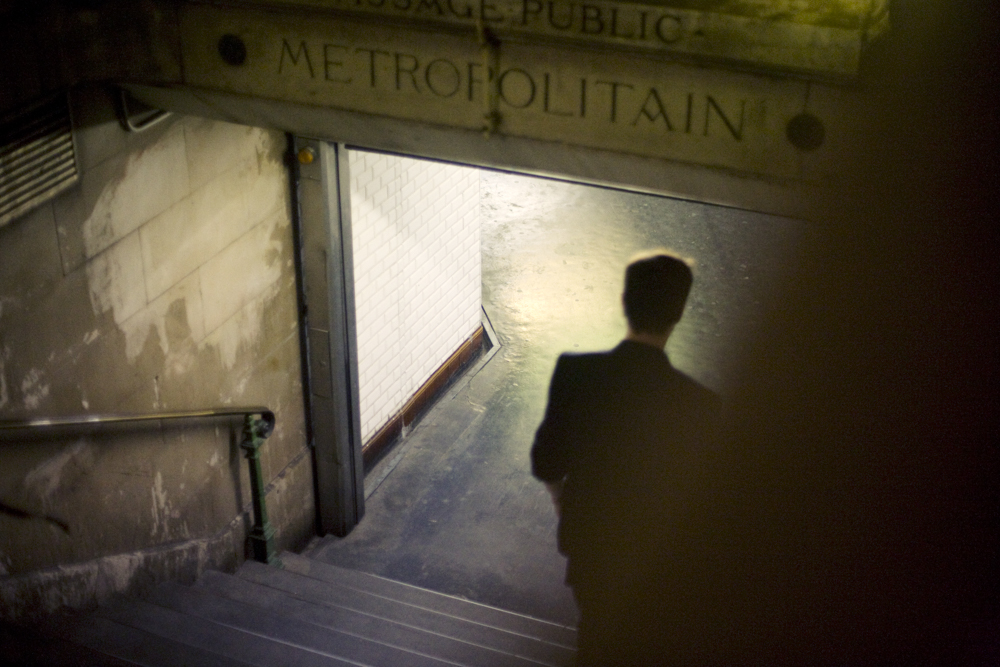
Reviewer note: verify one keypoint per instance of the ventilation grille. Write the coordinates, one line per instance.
(37, 157)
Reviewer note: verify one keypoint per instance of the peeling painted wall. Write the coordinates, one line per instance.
(163, 282)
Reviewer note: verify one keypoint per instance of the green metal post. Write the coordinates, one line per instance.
(255, 431)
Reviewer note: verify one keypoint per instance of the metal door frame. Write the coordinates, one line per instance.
(328, 331)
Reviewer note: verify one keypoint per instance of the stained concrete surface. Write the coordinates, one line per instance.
(458, 511)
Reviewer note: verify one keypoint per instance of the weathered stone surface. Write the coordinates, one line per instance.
(147, 290)
(537, 156)
(607, 100)
(291, 505)
(34, 260)
(115, 196)
(816, 36)
(39, 593)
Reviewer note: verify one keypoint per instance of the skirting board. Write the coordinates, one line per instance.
(379, 443)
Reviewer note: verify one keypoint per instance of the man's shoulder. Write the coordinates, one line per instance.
(582, 361)
(691, 383)
(697, 392)
(583, 357)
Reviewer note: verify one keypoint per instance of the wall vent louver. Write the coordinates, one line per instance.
(37, 156)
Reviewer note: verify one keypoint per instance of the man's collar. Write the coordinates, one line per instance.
(635, 346)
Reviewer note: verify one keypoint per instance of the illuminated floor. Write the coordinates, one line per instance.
(460, 513)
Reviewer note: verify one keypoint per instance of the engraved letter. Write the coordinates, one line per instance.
(592, 23)
(303, 51)
(414, 66)
(473, 80)
(450, 70)
(530, 7)
(712, 104)
(615, 85)
(459, 13)
(488, 12)
(660, 111)
(529, 98)
(337, 63)
(371, 61)
(545, 106)
(569, 21)
(614, 26)
(671, 31)
(430, 5)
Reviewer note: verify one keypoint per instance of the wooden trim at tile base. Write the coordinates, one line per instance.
(393, 429)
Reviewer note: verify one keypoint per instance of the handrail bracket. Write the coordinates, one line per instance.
(256, 428)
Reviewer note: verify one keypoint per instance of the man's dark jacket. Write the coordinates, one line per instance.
(628, 434)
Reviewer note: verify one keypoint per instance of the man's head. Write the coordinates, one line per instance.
(656, 287)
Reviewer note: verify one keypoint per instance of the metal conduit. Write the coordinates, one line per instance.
(153, 117)
(258, 424)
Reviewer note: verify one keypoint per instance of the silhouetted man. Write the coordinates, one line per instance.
(620, 443)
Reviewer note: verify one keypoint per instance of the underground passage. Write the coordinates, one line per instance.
(284, 287)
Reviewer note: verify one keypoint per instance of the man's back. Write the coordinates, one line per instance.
(622, 448)
(624, 429)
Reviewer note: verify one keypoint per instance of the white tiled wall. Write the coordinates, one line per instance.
(416, 272)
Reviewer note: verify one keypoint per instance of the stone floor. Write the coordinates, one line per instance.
(454, 507)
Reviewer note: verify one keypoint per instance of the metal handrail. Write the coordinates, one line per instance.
(258, 424)
(96, 420)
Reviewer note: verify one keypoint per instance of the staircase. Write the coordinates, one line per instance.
(308, 613)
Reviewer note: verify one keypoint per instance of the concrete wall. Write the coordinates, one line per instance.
(163, 282)
(416, 271)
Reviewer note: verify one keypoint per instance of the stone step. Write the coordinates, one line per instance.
(226, 643)
(27, 645)
(399, 623)
(308, 615)
(445, 604)
(102, 641)
(270, 629)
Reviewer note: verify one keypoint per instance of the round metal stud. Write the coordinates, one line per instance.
(232, 50)
(806, 132)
